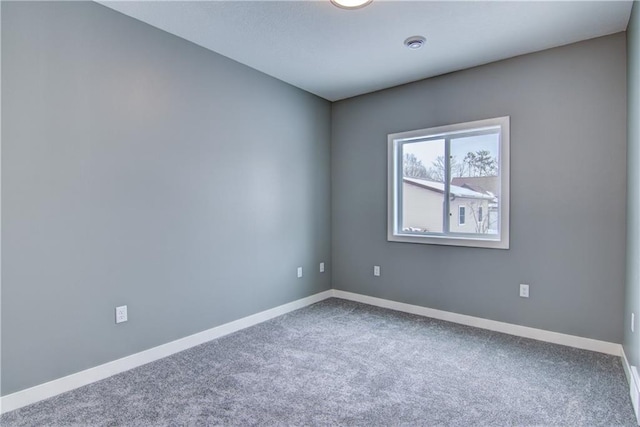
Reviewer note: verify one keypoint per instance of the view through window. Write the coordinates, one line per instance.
(449, 185)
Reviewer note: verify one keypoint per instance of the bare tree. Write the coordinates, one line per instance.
(412, 167)
(482, 223)
(437, 169)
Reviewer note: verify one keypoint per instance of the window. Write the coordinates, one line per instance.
(438, 172)
(461, 212)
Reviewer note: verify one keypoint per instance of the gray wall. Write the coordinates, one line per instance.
(568, 173)
(631, 341)
(140, 169)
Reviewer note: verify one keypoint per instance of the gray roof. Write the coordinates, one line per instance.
(481, 184)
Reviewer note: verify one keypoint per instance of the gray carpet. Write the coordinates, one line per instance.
(343, 363)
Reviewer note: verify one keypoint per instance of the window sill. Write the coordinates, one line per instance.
(473, 242)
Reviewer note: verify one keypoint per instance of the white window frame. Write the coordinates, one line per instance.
(394, 171)
(462, 208)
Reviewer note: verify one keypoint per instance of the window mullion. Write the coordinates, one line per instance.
(447, 179)
(399, 187)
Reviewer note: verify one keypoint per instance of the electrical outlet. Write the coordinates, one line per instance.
(322, 267)
(524, 291)
(121, 314)
(299, 272)
(376, 270)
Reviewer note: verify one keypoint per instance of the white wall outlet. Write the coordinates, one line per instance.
(524, 290)
(376, 270)
(299, 272)
(633, 322)
(121, 314)
(322, 267)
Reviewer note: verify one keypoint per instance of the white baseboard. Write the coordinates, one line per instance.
(52, 388)
(634, 384)
(493, 325)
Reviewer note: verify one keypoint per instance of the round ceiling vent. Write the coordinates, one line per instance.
(415, 42)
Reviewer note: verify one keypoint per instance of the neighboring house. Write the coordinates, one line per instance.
(423, 208)
(481, 184)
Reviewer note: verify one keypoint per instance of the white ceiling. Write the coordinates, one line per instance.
(336, 53)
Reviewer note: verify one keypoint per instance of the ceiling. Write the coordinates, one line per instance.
(336, 53)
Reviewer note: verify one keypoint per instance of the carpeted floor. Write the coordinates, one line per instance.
(344, 363)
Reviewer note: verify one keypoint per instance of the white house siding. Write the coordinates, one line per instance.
(422, 210)
(471, 215)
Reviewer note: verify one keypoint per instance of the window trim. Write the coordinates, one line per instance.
(461, 215)
(394, 163)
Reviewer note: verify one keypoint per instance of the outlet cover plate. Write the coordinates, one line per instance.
(121, 314)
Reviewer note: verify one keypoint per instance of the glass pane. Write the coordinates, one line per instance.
(462, 215)
(475, 184)
(422, 209)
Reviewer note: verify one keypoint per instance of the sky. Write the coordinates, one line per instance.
(428, 151)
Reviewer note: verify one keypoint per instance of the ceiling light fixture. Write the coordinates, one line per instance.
(415, 42)
(350, 4)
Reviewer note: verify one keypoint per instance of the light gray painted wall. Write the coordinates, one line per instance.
(631, 341)
(568, 146)
(140, 169)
